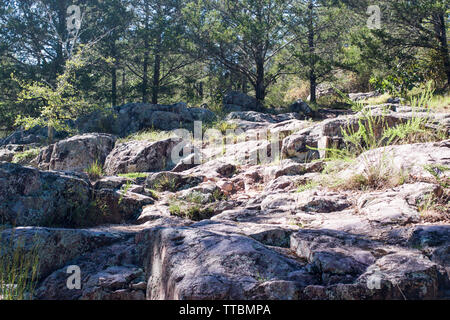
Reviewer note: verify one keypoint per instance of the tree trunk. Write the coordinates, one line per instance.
(444, 46)
(50, 134)
(156, 71)
(260, 87)
(114, 76)
(114, 86)
(123, 86)
(312, 62)
(145, 76)
(61, 28)
(146, 54)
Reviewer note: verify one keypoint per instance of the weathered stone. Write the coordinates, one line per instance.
(224, 267)
(76, 153)
(237, 101)
(56, 247)
(141, 156)
(301, 107)
(29, 197)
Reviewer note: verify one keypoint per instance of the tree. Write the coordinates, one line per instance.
(320, 28)
(156, 40)
(408, 28)
(245, 36)
(59, 102)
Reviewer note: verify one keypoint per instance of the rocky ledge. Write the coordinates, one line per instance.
(233, 228)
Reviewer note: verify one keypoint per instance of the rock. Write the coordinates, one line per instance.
(29, 197)
(119, 206)
(35, 135)
(403, 276)
(109, 272)
(336, 256)
(56, 247)
(253, 116)
(416, 161)
(187, 163)
(317, 202)
(397, 206)
(301, 107)
(292, 168)
(191, 264)
(394, 100)
(6, 155)
(134, 117)
(113, 183)
(215, 168)
(76, 153)
(237, 101)
(170, 181)
(363, 96)
(141, 156)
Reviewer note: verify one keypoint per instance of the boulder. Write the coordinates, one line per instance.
(119, 206)
(302, 108)
(35, 135)
(76, 153)
(141, 156)
(253, 116)
(238, 101)
(29, 197)
(363, 95)
(56, 247)
(192, 264)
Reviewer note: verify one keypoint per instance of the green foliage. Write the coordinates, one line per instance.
(195, 211)
(398, 84)
(166, 183)
(59, 103)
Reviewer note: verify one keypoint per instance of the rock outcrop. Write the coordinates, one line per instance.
(141, 156)
(77, 153)
(244, 222)
(235, 101)
(29, 197)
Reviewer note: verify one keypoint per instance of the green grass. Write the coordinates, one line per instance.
(124, 191)
(134, 175)
(165, 183)
(26, 156)
(95, 170)
(192, 208)
(377, 100)
(19, 269)
(308, 186)
(147, 135)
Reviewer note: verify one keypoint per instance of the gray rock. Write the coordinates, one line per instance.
(29, 197)
(191, 264)
(77, 153)
(141, 156)
(301, 107)
(238, 101)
